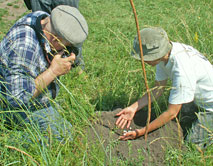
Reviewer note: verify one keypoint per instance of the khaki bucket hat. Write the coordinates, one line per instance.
(155, 44)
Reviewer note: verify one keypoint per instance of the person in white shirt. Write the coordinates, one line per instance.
(191, 95)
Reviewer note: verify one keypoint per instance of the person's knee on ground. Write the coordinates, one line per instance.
(187, 116)
(201, 132)
(50, 122)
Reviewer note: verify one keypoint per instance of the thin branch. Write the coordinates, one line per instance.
(144, 71)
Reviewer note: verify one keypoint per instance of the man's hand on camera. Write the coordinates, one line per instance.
(60, 66)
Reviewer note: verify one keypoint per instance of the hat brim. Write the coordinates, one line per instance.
(150, 56)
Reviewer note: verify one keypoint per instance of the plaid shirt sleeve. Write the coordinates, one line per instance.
(21, 67)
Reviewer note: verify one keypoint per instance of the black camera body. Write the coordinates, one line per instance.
(74, 50)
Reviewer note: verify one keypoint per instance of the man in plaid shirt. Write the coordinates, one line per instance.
(28, 69)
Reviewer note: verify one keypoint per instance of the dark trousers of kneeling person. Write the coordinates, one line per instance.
(46, 121)
(197, 124)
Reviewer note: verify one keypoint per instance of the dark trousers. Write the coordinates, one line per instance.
(197, 124)
(187, 116)
(49, 5)
(46, 121)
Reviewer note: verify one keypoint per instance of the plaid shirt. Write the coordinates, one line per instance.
(21, 61)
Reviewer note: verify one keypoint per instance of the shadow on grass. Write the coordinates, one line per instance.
(110, 101)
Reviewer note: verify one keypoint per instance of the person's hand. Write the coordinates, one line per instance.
(125, 117)
(129, 135)
(60, 66)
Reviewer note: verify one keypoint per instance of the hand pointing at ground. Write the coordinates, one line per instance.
(125, 117)
(129, 135)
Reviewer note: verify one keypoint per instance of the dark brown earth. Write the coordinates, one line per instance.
(152, 152)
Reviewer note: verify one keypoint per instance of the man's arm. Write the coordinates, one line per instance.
(59, 66)
(127, 114)
(155, 94)
(164, 118)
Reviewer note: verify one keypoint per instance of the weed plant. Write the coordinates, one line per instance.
(112, 79)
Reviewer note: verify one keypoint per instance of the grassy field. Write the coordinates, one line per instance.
(112, 78)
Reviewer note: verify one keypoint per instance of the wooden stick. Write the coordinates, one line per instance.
(144, 71)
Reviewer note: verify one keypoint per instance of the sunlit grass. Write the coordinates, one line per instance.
(112, 78)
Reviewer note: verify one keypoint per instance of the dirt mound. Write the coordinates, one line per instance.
(105, 132)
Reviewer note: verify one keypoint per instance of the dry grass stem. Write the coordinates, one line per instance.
(208, 130)
(14, 148)
(179, 132)
(161, 138)
(134, 71)
(202, 155)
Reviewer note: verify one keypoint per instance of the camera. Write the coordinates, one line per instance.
(77, 53)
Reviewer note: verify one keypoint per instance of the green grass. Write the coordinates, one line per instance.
(112, 78)
(16, 6)
(3, 25)
(9, 4)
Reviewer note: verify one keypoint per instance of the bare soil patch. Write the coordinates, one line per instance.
(15, 8)
(105, 132)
